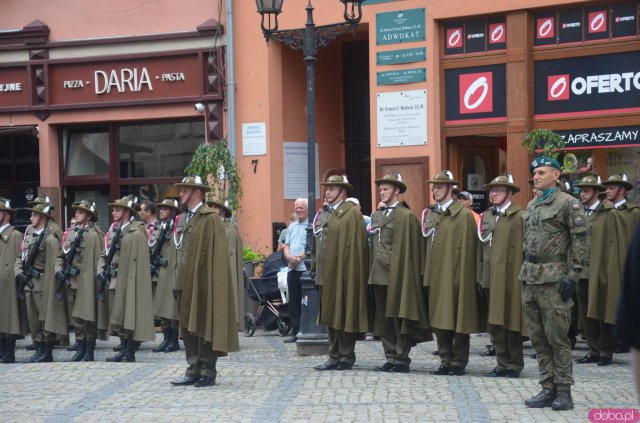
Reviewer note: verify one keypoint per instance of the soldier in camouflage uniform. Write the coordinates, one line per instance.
(556, 245)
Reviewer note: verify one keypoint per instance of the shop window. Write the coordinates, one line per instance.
(153, 192)
(157, 150)
(86, 152)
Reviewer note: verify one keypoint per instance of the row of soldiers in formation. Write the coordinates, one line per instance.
(515, 274)
(119, 282)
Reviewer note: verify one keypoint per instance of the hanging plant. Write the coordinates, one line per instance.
(213, 163)
(548, 141)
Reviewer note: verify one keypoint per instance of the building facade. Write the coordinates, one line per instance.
(421, 86)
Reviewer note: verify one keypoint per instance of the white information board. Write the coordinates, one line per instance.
(254, 139)
(402, 118)
(295, 171)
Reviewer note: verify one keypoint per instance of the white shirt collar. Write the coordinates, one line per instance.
(3, 227)
(594, 206)
(393, 205)
(446, 205)
(336, 205)
(195, 209)
(504, 208)
(621, 202)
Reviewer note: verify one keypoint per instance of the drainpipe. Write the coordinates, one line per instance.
(231, 84)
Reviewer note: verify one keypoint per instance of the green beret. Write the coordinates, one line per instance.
(543, 161)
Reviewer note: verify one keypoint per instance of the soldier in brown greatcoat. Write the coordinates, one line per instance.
(501, 231)
(235, 246)
(203, 287)
(401, 318)
(47, 316)
(82, 244)
(598, 295)
(128, 279)
(449, 274)
(163, 267)
(344, 264)
(13, 312)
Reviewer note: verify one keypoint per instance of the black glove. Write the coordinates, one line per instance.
(566, 289)
(175, 294)
(480, 290)
(22, 278)
(60, 278)
(102, 277)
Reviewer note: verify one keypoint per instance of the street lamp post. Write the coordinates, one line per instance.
(312, 339)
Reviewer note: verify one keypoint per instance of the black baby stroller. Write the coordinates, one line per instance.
(272, 313)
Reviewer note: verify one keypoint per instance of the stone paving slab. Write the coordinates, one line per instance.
(268, 382)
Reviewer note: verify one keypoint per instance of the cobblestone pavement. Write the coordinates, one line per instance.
(268, 382)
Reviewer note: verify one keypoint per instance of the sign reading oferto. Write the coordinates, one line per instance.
(409, 55)
(403, 26)
(404, 76)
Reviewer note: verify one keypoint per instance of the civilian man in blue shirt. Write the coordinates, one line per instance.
(294, 252)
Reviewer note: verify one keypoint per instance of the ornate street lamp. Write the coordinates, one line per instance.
(269, 10)
(312, 339)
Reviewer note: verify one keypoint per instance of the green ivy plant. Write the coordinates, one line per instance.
(249, 255)
(550, 142)
(214, 164)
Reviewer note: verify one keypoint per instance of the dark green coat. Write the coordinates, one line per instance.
(13, 312)
(451, 272)
(396, 256)
(504, 262)
(132, 307)
(85, 306)
(207, 308)
(345, 264)
(234, 244)
(609, 243)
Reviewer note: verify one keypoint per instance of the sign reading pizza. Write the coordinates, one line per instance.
(476, 94)
(587, 85)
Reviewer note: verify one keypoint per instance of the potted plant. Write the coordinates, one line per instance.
(548, 141)
(251, 260)
(213, 163)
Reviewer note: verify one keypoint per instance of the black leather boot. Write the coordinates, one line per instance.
(91, 346)
(3, 346)
(173, 344)
(47, 354)
(80, 352)
(119, 347)
(165, 341)
(121, 354)
(544, 399)
(38, 352)
(130, 352)
(563, 401)
(9, 355)
(73, 347)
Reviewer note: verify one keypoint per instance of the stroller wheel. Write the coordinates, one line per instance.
(283, 328)
(249, 324)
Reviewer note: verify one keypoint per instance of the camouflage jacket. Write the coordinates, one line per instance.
(556, 239)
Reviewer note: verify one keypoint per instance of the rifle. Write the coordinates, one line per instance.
(62, 276)
(109, 271)
(156, 259)
(24, 278)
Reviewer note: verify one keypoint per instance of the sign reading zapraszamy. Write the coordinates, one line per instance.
(579, 86)
(402, 118)
(618, 136)
(403, 26)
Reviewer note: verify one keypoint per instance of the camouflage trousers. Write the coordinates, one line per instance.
(548, 320)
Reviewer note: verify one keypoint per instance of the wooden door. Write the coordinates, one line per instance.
(415, 172)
